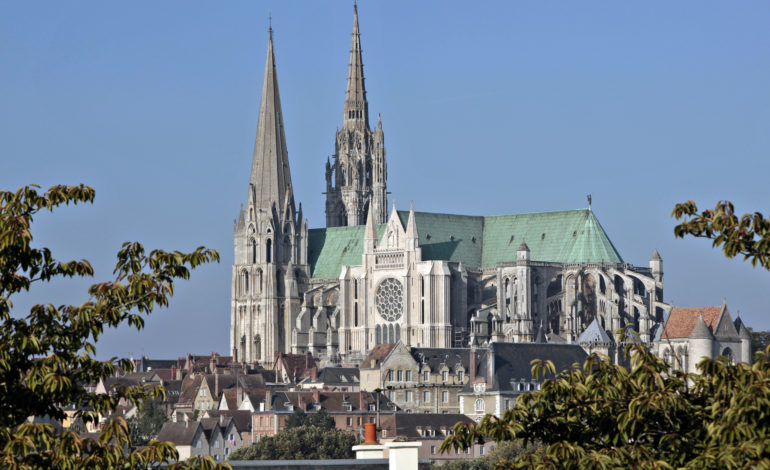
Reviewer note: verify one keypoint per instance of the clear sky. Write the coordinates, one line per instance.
(488, 108)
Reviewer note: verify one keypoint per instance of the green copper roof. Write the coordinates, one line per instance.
(329, 249)
(448, 237)
(564, 237)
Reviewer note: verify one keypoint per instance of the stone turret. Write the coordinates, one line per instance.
(656, 266)
(701, 341)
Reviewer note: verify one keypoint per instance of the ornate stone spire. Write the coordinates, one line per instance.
(270, 175)
(356, 107)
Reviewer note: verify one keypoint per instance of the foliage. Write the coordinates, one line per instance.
(748, 235)
(319, 419)
(146, 425)
(302, 442)
(78, 426)
(759, 340)
(47, 356)
(602, 415)
(498, 455)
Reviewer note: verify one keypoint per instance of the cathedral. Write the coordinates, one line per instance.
(425, 279)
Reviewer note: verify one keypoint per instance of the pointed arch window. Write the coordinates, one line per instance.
(245, 282)
(355, 319)
(253, 251)
(269, 250)
(398, 334)
(379, 335)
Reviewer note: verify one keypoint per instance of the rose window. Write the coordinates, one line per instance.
(389, 299)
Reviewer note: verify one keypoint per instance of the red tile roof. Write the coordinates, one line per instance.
(377, 355)
(682, 320)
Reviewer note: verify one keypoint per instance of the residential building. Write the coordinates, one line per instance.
(503, 371)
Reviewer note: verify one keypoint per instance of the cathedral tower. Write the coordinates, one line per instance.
(356, 181)
(270, 240)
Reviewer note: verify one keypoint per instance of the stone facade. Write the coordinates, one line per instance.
(427, 280)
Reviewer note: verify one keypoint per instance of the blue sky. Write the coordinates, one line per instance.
(488, 108)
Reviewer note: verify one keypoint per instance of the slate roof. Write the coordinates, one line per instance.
(330, 401)
(573, 236)
(339, 376)
(594, 334)
(512, 361)
(682, 320)
(407, 423)
(241, 418)
(435, 358)
(180, 433)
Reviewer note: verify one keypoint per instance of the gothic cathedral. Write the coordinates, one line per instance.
(424, 279)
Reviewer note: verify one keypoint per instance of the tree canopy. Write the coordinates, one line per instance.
(47, 356)
(300, 442)
(319, 419)
(748, 235)
(601, 415)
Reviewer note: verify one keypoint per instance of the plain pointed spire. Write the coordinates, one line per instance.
(411, 225)
(356, 107)
(370, 233)
(270, 175)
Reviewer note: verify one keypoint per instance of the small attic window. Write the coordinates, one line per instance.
(542, 237)
(451, 238)
(473, 239)
(574, 234)
(427, 237)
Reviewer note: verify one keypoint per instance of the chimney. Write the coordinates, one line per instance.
(361, 406)
(173, 373)
(315, 373)
(216, 385)
(268, 400)
(370, 448)
(316, 395)
(308, 360)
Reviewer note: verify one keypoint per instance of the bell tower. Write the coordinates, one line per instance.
(270, 239)
(356, 181)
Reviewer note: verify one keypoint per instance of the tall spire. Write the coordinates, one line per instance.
(356, 107)
(270, 175)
